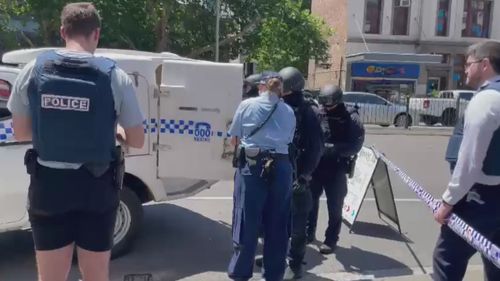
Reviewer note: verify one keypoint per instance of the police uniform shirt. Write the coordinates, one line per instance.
(276, 134)
(126, 104)
(482, 119)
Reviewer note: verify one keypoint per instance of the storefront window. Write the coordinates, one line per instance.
(443, 17)
(476, 19)
(400, 17)
(373, 16)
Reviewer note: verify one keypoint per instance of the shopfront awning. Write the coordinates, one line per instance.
(394, 58)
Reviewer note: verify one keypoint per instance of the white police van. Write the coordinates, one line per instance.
(188, 105)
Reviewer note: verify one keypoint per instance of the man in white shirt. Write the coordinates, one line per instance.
(474, 189)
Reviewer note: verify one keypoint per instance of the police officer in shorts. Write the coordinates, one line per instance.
(68, 103)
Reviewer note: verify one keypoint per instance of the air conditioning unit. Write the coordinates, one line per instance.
(404, 3)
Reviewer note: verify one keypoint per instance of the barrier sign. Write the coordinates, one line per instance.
(384, 197)
(369, 171)
(358, 184)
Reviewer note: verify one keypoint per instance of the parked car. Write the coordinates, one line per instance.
(7, 77)
(444, 109)
(374, 109)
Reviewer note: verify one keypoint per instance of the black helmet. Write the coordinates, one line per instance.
(253, 79)
(293, 80)
(330, 95)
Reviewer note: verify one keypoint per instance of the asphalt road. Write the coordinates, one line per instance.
(190, 239)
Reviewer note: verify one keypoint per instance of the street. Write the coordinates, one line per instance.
(190, 239)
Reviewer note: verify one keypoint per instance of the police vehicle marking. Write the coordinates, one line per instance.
(201, 131)
(6, 131)
(65, 103)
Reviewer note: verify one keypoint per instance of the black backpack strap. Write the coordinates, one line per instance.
(265, 121)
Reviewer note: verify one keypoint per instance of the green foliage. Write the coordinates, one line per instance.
(289, 37)
(272, 33)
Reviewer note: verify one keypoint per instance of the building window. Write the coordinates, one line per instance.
(443, 17)
(400, 17)
(459, 70)
(373, 16)
(476, 19)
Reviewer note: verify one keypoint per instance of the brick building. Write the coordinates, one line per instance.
(444, 27)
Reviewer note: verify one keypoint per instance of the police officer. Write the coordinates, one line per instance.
(68, 103)
(264, 128)
(251, 86)
(344, 137)
(307, 149)
(474, 189)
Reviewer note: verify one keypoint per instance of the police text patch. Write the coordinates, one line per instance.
(65, 103)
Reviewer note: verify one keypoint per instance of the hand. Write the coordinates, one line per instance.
(120, 135)
(300, 185)
(443, 213)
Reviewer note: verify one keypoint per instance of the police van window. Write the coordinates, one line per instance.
(5, 89)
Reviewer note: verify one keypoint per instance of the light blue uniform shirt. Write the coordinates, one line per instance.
(276, 134)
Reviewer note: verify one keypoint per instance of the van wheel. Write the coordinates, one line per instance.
(128, 222)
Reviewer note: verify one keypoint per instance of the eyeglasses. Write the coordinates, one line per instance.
(469, 63)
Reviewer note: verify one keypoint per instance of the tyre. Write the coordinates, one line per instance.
(402, 120)
(128, 222)
(449, 117)
(429, 120)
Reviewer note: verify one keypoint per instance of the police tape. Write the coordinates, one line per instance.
(455, 223)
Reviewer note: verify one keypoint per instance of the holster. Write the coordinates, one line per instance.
(351, 165)
(237, 156)
(118, 167)
(30, 161)
(268, 168)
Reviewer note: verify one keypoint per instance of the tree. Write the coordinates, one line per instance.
(289, 37)
(272, 33)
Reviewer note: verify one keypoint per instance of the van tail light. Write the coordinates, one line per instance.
(427, 103)
(4, 89)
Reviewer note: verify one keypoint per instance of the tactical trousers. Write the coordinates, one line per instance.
(261, 204)
(301, 207)
(335, 187)
(481, 210)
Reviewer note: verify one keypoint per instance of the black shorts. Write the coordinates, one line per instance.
(67, 206)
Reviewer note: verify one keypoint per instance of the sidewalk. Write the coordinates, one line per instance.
(414, 130)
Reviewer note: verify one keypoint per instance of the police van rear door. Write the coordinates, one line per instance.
(197, 101)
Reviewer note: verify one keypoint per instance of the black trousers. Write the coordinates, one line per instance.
(335, 187)
(481, 210)
(301, 207)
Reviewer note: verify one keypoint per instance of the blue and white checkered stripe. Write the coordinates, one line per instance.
(6, 131)
(177, 127)
(165, 126)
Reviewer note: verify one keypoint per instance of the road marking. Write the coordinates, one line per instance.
(322, 198)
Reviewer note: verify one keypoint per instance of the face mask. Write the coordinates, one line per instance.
(293, 99)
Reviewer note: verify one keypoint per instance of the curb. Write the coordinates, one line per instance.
(422, 131)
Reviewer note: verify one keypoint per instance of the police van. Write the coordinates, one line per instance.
(188, 107)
